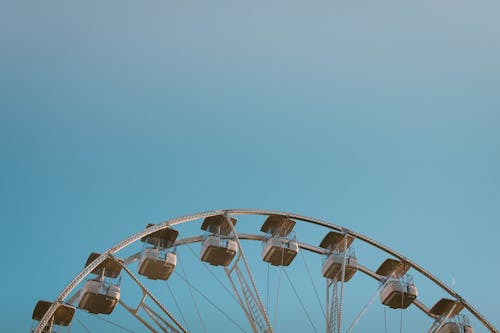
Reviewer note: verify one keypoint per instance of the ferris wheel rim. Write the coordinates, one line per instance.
(244, 211)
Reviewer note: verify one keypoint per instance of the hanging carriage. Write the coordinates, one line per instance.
(98, 296)
(280, 249)
(156, 262)
(101, 294)
(341, 256)
(219, 247)
(449, 319)
(399, 291)
(62, 316)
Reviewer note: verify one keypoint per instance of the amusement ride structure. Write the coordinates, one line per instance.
(151, 256)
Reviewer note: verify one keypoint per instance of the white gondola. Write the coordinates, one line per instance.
(332, 266)
(98, 296)
(279, 251)
(399, 290)
(399, 293)
(448, 310)
(62, 316)
(219, 247)
(338, 245)
(218, 251)
(156, 264)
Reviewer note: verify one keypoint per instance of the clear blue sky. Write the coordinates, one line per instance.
(383, 116)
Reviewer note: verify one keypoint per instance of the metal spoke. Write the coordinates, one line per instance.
(300, 301)
(184, 277)
(177, 305)
(254, 293)
(313, 285)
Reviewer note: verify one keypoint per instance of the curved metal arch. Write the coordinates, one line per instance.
(187, 218)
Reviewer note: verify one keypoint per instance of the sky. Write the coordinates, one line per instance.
(383, 117)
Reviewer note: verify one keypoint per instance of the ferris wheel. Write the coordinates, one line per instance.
(254, 271)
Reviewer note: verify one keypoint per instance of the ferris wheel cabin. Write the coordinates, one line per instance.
(339, 245)
(447, 312)
(399, 291)
(156, 262)
(62, 316)
(219, 247)
(100, 295)
(279, 249)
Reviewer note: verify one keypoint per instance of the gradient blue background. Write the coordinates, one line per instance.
(383, 116)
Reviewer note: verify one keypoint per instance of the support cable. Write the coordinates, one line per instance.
(267, 290)
(344, 263)
(215, 277)
(277, 299)
(112, 323)
(300, 301)
(206, 298)
(177, 305)
(193, 298)
(313, 285)
(401, 322)
(385, 318)
(278, 291)
(406, 286)
(365, 308)
(83, 325)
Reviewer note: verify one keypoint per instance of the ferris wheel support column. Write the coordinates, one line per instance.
(332, 305)
(256, 295)
(327, 310)
(344, 263)
(240, 300)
